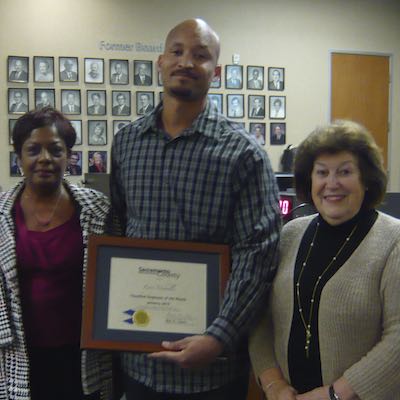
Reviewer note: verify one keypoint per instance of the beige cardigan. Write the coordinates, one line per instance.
(359, 314)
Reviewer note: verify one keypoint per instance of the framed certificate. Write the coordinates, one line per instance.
(140, 292)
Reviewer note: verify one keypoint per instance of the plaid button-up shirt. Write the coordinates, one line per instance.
(213, 183)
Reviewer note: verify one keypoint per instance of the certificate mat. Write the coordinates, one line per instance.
(141, 292)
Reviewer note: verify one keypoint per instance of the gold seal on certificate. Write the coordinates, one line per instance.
(141, 318)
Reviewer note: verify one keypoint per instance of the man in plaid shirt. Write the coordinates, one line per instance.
(184, 172)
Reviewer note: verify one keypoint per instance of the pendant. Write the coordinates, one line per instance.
(308, 340)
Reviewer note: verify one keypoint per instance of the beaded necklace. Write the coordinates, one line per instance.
(307, 324)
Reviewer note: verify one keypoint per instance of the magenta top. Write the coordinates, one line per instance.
(50, 276)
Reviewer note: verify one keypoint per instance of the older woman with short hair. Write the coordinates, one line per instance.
(332, 330)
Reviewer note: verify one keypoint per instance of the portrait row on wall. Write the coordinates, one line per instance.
(71, 102)
(44, 71)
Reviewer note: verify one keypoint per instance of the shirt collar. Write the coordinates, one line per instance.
(205, 123)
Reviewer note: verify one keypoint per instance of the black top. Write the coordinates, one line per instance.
(305, 372)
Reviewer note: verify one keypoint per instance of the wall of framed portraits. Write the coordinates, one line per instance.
(96, 61)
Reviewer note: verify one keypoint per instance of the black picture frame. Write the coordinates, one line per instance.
(160, 97)
(77, 125)
(255, 77)
(275, 75)
(235, 105)
(101, 310)
(143, 73)
(277, 138)
(233, 76)
(144, 102)
(18, 69)
(74, 167)
(43, 69)
(118, 124)
(96, 102)
(256, 106)
(121, 103)
(257, 131)
(45, 98)
(97, 162)
(71, 101)
(97, 132)
(217, 78)
(18, 100)
(15, 169)
(11, 124)
(68, 69)
(119, 72)
(216, 99)
(277, 107)
(94, 70)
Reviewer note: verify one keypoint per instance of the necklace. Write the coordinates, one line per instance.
(307, 323)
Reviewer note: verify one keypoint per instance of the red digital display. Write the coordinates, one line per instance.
(286, 204)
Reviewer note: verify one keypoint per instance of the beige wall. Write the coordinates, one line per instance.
(295, 34)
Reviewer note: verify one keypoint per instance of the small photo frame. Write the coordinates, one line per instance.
(18, 100)
(18, 69)
(216, 80)
(257, 131)
(45, 98)
(142, 70)
(161, 96)
(118, 124)
(96, 102)
(277, 133)
(144, 102)
(15, 169)
(255, 77)
(277, 107)
(71, 101)
(234, 76)
(97, 132)
(11, 123)
(235, 105)
(94, 70)
(121, 102)
(77, 125)
(97, 162)
(68, 69)
(119, 72)
(43, 69)
(74, 166)
(256, 107)
(276, 78)
(216, 100)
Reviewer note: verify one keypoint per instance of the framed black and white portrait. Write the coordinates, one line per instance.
(11, 124)
(277, 133)
(77, 125)
(255, 77)
(142, 73)
(216, 101)
(96, 102)
(216, 81)
(121, 102)
(97, 162)
(18, 69)
(144, 102)
(277, 107)
(235, 105)
(94, 70)
(71, 101)
(97, 132)
(43, 69)
(233, 76)
(15, 169)
(74, 166)
(276, 78)
(45, 98)
(18, 100)
(119, 72)
(257, 131)
(118, 124)
(68, 69)
(256, 106)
